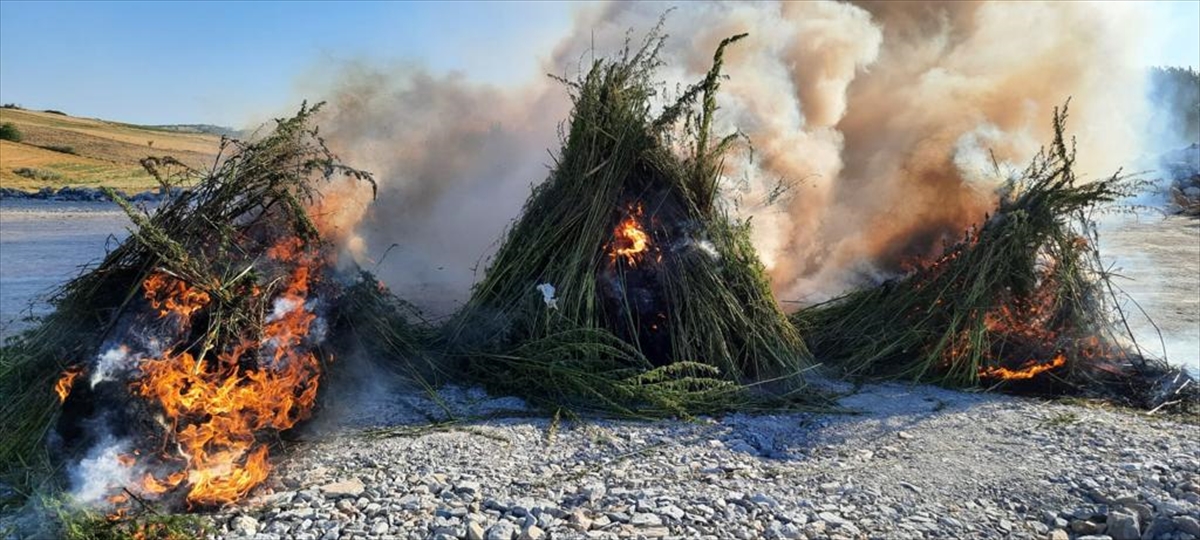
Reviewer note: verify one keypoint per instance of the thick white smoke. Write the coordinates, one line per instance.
(101, 473)
(881, 117)
(454, 160)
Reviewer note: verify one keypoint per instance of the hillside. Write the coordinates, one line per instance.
(58, 150)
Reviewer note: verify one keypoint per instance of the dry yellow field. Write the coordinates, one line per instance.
(58, 151)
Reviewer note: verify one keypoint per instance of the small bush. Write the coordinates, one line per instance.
(9, 132)
(37, 174)
(11, 106)
(52, 111)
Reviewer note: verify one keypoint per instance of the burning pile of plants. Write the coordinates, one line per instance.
(166, 371)
(1022, 303)
(624, 286)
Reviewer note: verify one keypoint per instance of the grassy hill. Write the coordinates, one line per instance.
(58, 150)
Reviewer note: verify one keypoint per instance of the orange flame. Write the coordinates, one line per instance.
(120, 512)
(1026, 324)
(217, 406)
(1027, 319)
(66, 382)
(630, 240)
(171, 295)
(1030, 370)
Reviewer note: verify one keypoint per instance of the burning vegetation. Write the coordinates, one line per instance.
(168, 371)
(192, 343)
(630, 241)
(217, 403)
(657, 303)
(1021, 303)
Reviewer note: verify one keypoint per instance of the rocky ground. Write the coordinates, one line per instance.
(914, 462)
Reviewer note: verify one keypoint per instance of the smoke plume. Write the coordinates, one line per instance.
(454, 161)
(872, 129)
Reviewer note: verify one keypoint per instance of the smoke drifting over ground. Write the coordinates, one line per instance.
(880, 117)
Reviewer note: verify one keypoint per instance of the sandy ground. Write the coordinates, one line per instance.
(1158, 260)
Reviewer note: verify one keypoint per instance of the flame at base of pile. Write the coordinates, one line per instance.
(183, 355)
(1028, 370)
(219, 403)
(218, 384)
(1022, 303)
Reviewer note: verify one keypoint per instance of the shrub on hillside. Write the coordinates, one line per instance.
(37, 174)
(9, 132)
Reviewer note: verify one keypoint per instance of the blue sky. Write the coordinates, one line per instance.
(227, 62)
(224, 62)
(1175, 40)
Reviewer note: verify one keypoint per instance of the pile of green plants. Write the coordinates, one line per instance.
(214, 241)
(624, 288)
(383, 334)
(571, 314)
(686, 325)
(1022, 301)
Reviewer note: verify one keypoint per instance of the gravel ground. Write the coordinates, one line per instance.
(914, 462)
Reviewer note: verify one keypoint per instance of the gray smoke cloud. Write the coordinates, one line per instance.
(454, 161)
(881, 116)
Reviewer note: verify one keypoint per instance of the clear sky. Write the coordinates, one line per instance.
(227, 63)
(1176, 35)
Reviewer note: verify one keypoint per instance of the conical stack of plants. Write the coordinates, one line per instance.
(211, 317)
(1022, 302)
(624, 286)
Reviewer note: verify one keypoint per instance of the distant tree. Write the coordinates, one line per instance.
(1176, 92)
(9, 132)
